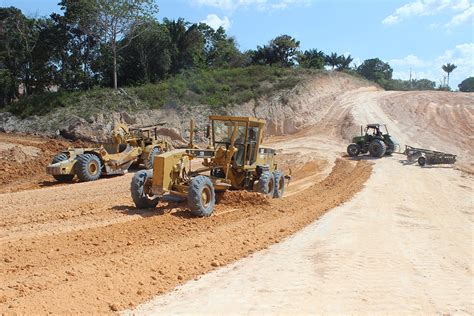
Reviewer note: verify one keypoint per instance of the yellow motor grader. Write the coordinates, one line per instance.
(130, 145)
(234, 160)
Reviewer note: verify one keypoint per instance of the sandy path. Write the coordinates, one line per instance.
(402, 245)
(406, 252)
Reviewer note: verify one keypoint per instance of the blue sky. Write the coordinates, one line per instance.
(417, 34)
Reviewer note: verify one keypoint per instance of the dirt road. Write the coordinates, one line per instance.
(392, 249)
(402, 245)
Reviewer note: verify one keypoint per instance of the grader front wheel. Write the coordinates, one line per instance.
(138, 188)
(201, 196)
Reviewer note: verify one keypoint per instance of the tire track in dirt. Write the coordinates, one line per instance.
(109, 268)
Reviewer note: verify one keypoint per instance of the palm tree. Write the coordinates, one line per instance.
(449, 69)
(333, 60)
(344, 62)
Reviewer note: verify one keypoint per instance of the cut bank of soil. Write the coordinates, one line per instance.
(23, 161)
(105, 269)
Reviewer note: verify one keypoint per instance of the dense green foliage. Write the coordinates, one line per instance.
(467, 85)
(95, 44)
(217, 88)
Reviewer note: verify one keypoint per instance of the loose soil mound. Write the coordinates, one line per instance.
(23, 164)
(105, 269)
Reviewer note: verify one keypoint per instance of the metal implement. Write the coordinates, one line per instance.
(428, 157)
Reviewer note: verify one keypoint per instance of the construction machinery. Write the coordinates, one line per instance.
(372, 140)
(428, 157)
(130, 145)
(234, 160)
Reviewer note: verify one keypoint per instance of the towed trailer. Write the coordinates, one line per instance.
(428, 157)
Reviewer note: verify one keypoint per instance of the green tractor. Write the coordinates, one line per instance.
(372, 140)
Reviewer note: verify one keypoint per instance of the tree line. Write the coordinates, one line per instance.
(112, 43)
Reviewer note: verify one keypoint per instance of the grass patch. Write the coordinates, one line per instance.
(217, 88)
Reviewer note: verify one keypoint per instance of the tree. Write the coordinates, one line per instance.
(219, 49)
(376, 70)
(449, 68)
(186, 46)
(333, 60)
(344, 62)
(112, 20)
(282, 50)
(148, 58)
(311, 59)
(467, 85)
(18, 38)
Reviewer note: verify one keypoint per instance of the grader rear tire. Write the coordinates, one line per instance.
(266, 184)
(201, 196)
(138, 190)
(279, 187)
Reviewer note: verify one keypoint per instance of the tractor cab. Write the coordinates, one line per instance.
(241, 135)
(375, 130)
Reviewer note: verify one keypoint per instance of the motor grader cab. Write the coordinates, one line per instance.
(130, 145)
(235, 160)
(374, 139)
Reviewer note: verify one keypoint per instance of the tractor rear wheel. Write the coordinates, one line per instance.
(266, 184)
(88, 167)
(151, 157)
(61, 177)
(279, 180)
(139, 189)
(353, 150)
(377, 148)
(201, 196)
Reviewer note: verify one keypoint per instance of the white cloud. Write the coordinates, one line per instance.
(461, 18)
(215, 22)
(410, 60)
(461, 55)
(232, 5)
(431, 7)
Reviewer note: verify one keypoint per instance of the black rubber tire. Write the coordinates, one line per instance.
(151, 157)
(88, 167)
(266, 184)
(61, 177)
(201, 186)
(137, 190)
(377, 148)
(279, 181)
(422, 161)
(353, 150)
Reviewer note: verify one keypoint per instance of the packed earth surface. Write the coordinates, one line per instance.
(351, 235)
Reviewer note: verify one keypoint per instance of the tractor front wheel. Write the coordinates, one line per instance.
(61, 177)
(139, 189)
(279, 180)
(266, 184)
(377, 148)
(88, 167)
(201, 196)
(353, 150)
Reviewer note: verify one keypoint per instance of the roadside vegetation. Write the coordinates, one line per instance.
(76, 58)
